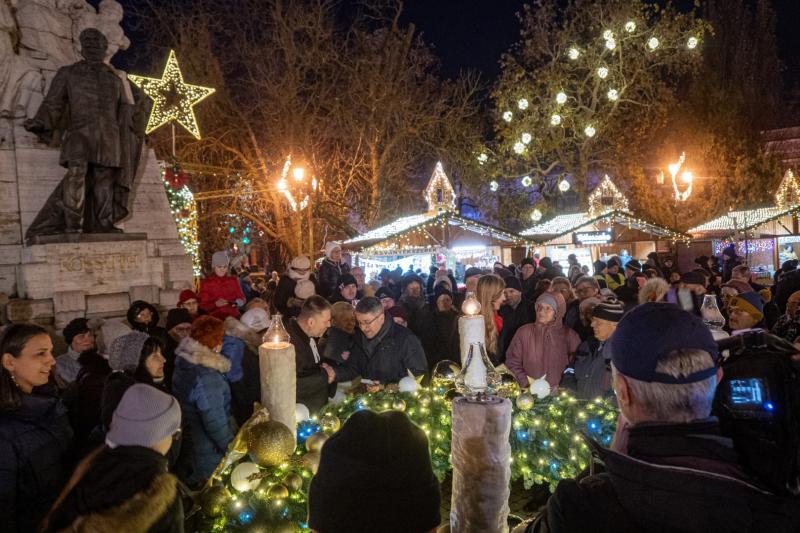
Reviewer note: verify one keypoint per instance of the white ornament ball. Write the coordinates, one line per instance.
(301, 413)
(240, 474)
(540, 388)
(407, 384)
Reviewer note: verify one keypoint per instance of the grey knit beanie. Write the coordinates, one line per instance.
(126, 351)
(219, 259)
(145, 416)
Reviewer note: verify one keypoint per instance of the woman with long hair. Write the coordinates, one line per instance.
(490, 295)
(35, 435)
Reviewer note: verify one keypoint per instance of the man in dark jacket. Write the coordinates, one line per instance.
(418, 313)
(313, 376)
(515, 312)
(383, 351)
(671, 469)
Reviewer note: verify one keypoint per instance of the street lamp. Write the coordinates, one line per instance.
(299, 195)
(687, 179)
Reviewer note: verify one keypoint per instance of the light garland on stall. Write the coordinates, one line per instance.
(788, 194)
(561, 225)
(606, 197)
(745, 247)
(743, 220)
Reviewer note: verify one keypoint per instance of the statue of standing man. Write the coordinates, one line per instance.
(87, 112)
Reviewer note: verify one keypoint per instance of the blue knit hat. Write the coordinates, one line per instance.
(652, 331)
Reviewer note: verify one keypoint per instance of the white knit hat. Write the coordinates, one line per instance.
(304, 289)
(330, 247)
(145, 416)
(256, 319)
(300, 262)
(219, 259)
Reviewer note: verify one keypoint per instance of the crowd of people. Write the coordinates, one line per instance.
(135, 409)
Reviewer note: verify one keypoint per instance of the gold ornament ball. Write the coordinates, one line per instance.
(508, 385)
(213, 500)
(311, 461)
(270, 443)
(524, 401)
(314, 442)
(445, 372)
(278, 492)
(399, 404)
(293, 481)
(330, 423)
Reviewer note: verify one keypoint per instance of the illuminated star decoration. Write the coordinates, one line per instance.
(172, 98)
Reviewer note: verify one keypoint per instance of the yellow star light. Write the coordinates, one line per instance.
(172, 98)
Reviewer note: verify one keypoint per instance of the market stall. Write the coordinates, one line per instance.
(605, 229)
(439, 236)
(765, 236)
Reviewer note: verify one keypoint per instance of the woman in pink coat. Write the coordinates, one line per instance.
(543, 348)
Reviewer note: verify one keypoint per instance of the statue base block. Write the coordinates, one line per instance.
(86, 237)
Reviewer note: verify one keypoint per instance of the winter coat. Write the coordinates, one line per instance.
(240, 345)
(329, 274)
(35, 446)
(68, 366)
(592, 370)
(440, 338)
(312, 381)
(615, 280)
(337, 346)
(513, 319)
(385, 358)
(200, 386)
(418, 312)
(788, 285)
(226, 288)
(124, 489)
(542, 349)
(675, 478)
(787, 327)
(84, 397)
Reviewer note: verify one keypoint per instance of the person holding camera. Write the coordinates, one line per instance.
(676, 471)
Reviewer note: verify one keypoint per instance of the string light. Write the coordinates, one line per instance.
(172, 98)
(493, 186)
(555, 120)
(611, 44)
(613, 95)
(573, 53)
(563, 186)
(184, 212)
(561, 98)
(482, 158)
(522, 103)
(606, 197)
(691, 44)
(526, 181)
(526, 138)
(652, 43)
(788, 194)
(507, 116)
(608, 34)
(589, 131)
(439, 194)
(519, 148)
(743, 220)
(602, 72)
(630, 26)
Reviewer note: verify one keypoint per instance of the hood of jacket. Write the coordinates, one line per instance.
(235, 328)
(136, 308)
(197, 354)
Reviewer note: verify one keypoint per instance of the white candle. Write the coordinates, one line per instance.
(470, 329)
(475, 377)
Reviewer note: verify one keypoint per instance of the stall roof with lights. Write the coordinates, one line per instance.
(439, 226)
(607, 205)
(787, 203)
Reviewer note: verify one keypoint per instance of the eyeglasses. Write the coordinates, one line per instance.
(365, 323)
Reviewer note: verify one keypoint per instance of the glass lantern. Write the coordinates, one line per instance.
(471, 305)
(712, 316)
(276, 336)
(478, 378)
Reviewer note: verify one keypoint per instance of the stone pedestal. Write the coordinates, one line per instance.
(58, 278)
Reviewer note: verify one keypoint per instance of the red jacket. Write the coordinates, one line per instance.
(226, 288)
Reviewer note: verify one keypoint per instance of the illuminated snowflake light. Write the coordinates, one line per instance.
(555, 120)
(608, 34)
(493, 185)
(526, 181)
(536, 215)
(526, 138)
(507, 116)
(630, 26)
(653, 43)
(522, 103)
(611, 44)
(691, 44)
(613, 95)
(602, 72)
(563, 186)
(561, 98)
(573, 53)
(519, 147)
(482, 158)
(589, 131)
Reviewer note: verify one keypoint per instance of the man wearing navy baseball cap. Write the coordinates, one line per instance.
(676, 472)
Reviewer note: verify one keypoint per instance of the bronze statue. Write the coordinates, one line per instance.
(87, 112)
